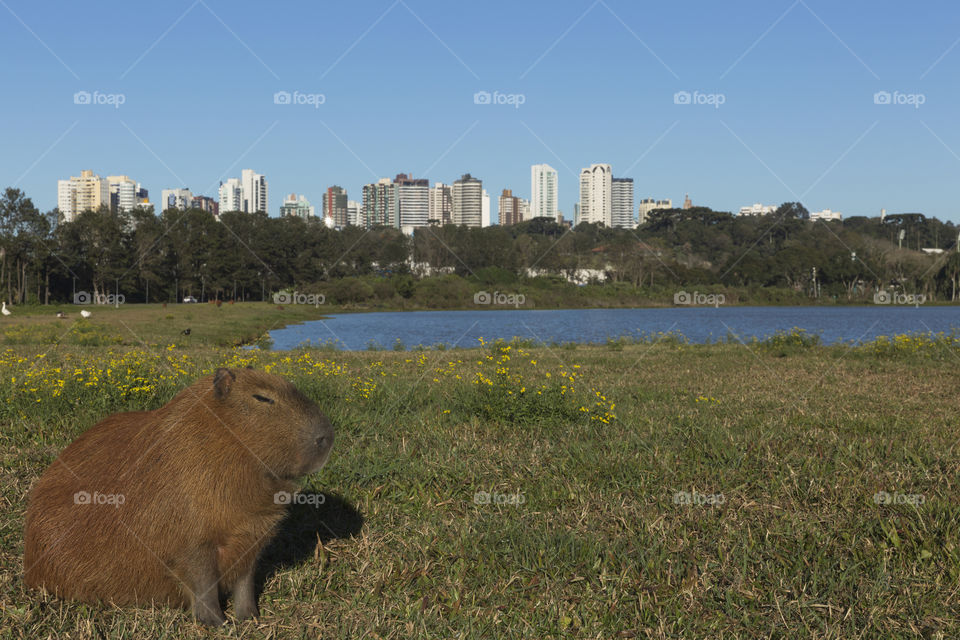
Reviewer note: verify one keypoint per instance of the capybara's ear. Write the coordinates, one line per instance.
(223, 381)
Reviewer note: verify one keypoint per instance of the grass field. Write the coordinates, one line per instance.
(781, 489)
(151, 325)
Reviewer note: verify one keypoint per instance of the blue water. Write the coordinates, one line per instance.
(357, 331)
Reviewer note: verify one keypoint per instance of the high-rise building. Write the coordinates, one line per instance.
(231, 195)
(621, 207)
(86, 192)
(255, 194)
(485, 209)
(686, 202)
(354, 210)
(123, 193)
(543, 191)
(466, 198)
(441, 204)
(67, 199)
(380, 204)
(413, 202)
(298, 207)
(206, 203)
(510, 208)
(181, 199)
(335, 205)
(649, 204)
(596, 200)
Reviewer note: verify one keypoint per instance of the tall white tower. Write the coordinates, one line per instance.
(596, 198)
(543, 191)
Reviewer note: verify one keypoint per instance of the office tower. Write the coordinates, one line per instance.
(595, 195)
(86, 192)
(543, 191)
(441, 204)
(621, 207)
(231, 195)
(413, 202)
(255, 195)
(466, 197)
(380, 204)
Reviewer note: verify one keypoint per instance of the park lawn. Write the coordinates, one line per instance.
(647, 490)
(151, 324)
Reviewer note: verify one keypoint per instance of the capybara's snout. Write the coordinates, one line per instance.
(319, 443)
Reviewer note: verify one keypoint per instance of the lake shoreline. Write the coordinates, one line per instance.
(447, 329)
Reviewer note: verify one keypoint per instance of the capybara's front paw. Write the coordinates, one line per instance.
(245, 610)
(210, 617)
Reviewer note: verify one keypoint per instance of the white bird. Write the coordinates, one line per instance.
(4, 310)
(85, 313)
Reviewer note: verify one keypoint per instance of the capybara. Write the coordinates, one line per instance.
(174, 505)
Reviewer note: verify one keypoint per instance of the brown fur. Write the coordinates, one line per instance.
(198, 479)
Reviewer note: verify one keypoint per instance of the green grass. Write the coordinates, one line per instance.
(590, 539)
(151, 324)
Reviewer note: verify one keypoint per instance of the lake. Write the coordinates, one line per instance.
(358, 331)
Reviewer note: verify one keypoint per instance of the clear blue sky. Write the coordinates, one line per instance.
(598, 79)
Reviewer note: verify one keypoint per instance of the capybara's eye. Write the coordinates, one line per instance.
(263, 398)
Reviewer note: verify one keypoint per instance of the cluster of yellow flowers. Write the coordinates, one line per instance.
(927, 344)
(504, 377)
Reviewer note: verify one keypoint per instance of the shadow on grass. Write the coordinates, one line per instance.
(305, 523)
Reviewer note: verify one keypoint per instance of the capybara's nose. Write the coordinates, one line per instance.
(324, 442)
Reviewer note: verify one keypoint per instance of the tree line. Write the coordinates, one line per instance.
(164, 257)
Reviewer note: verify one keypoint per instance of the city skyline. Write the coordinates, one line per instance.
(404, 202)
(765, 102)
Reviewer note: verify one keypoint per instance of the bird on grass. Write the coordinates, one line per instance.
(61, 314)
(85, 313)
(185, 332)
(4, 310)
